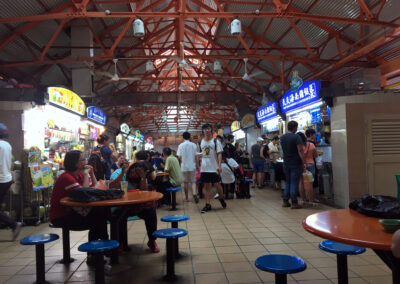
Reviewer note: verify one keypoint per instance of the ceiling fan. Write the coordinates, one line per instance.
(246, 76)
(114, 77)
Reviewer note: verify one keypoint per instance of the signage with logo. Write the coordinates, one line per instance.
(315, 115)
(308, 93)
(137, 134)
(267, 112)
(248, 120)
(296, 81)
(96, 114)
(125, 128)
(235, 126)
(67, 99)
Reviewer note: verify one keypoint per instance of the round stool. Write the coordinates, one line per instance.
(280, 265)
(341, 251)
(170, 234)
(174, 219)
(98, 248)
(38, 241)
(173, 191)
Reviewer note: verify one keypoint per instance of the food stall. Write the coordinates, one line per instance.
(91, 128)
(248, 125)
(271, 123)
(238, 133)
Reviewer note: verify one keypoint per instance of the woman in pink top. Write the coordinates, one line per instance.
(310, 152)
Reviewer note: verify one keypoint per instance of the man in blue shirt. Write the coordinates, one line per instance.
(293, 164)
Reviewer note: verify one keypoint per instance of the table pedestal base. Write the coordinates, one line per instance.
(392, 262)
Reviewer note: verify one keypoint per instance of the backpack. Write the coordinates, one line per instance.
(98, 163)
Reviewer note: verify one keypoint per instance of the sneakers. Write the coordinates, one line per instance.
(153, 246)
(16, 231)
(195, 198)
(286, 203)
(222, 201)
(216, 196)
(296, 206)
(206, 208)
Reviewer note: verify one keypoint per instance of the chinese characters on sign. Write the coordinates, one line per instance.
(308, 93)
(267, 112)
(66, 99)
(96, 114)
(235, 126)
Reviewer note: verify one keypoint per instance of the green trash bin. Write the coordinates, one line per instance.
(398, 185)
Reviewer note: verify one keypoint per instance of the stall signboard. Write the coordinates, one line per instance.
(306, 94)
(315, 115)
(141, 137)
(267, 112)
(248, 120)
(125, 129)
(96, 114)
(66, 99)
(235, 126)
(137, 134)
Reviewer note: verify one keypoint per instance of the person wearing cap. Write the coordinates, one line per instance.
(258, 159)
(6, 179)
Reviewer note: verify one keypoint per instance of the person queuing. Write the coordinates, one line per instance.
(258, 160)
(310, 153)
(187, 155)
(6, 179)
(229, 149)
(228, 167)
(293, 164)
(106, 155)
(274, 154)
(210, 151)
(77, 174)
(137, 176)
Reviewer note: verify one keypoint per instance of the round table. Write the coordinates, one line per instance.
(350, 227)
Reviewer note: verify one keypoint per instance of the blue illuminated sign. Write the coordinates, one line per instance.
(315, 115)
(307, 93)
(267, 112)
(96, 114)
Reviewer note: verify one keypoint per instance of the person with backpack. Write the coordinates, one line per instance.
(102, 158)
(210, 151)
(228, 167)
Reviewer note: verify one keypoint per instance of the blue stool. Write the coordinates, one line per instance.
(174, 219)
(248, 179)
(170, 234)
(173, 191)
(97, 248)
(39, 241)
(341, 251)
(67, 259)
(281, 265)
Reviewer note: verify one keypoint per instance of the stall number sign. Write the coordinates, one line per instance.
(96, 114)
(66, 99)
(308, 93)
(267, 112)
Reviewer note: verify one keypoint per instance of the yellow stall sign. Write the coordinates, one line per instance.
(235, 126)
(66, 99)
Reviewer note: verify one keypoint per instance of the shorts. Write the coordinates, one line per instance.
(258, 167)
(189, 176)
(210, 178)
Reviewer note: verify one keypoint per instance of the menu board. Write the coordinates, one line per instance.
(42, 177)
(66, 99)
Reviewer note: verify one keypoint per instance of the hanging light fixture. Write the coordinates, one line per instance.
(149, 66)
(217, 66)
(138, 28)
(236, 27)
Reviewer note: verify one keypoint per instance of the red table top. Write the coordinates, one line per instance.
(350, 227)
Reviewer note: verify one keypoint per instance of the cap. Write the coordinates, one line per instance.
(259, 139)
(3, 131)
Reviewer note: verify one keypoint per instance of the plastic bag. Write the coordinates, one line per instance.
(308, 177)
(379, 206)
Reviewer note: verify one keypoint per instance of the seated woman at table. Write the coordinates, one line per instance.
(136, 177)
(77, 174)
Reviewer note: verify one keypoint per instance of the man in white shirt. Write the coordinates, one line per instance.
(6, 179)
(211, 159)
(189, 163)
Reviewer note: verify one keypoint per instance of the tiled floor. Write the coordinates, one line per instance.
(221, 246)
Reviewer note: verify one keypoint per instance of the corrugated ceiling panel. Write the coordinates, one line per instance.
(20, 8)
(51, 4)
(54, 76)
(15, 51)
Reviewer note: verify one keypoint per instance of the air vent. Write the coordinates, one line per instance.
(385, 134)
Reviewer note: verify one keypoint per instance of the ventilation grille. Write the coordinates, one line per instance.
(385, 136)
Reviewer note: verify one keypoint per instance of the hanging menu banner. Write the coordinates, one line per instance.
(306, 94)
(66, 99)
(235, 126)
(96, 114)
(267, 112)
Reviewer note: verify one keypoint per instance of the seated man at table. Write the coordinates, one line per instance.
(136, 177)
(174, 171)
(77, 174)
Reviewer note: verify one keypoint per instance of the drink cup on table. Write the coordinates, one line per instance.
(107, 183)
(124, 186)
